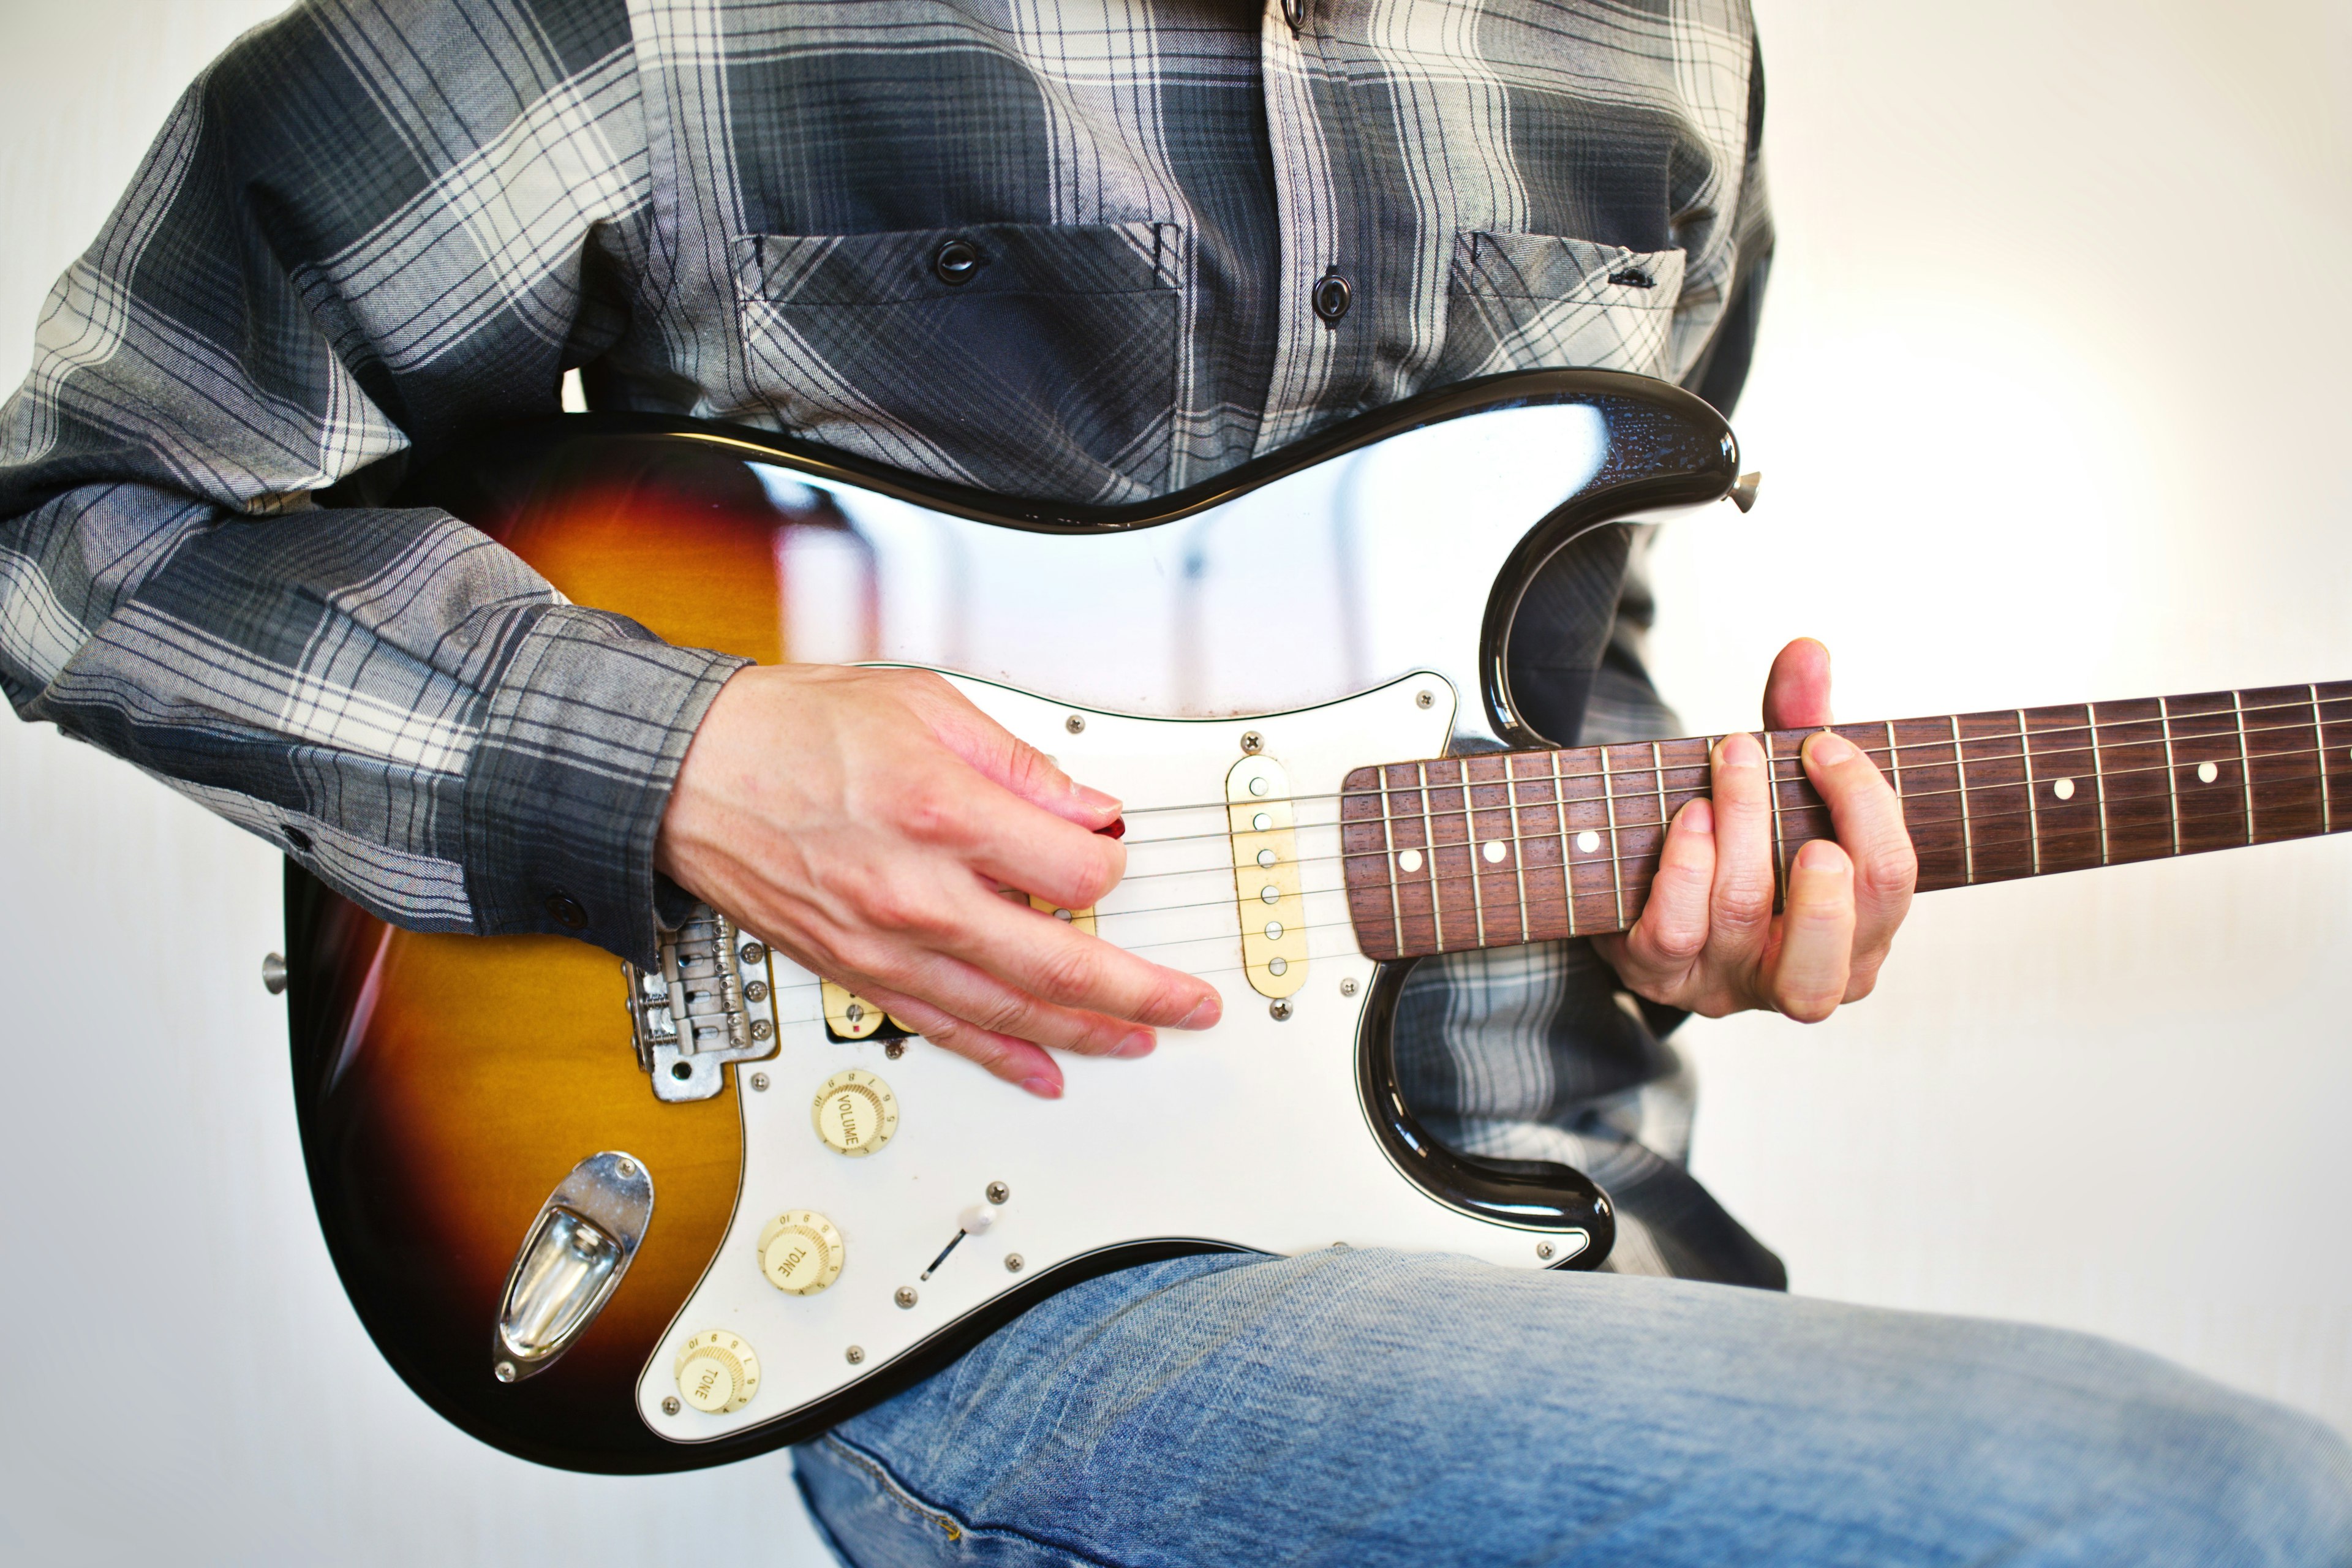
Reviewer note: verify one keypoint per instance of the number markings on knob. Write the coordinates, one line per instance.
(855, 1113)
(801, 1252)
(717, 1372)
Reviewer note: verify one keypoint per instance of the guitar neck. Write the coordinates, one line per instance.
(1518, 846)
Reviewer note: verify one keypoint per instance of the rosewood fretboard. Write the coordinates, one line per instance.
(1519, 847)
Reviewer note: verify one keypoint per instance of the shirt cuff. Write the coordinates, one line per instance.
(566, 788)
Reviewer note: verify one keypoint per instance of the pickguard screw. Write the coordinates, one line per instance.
(753, 953)
(1075, 723)
(669, 1405)
(1281, 1011)
(761, 1028)
(504, 1372)
(997, 1192)
(1253, 742)
(1543, 1249)
(1424, 700)
(893, 1049)
(759, 1083)
(906, 1296)
(855, 1355)
(1348, 987)
(1013, 1263)
(756, 992)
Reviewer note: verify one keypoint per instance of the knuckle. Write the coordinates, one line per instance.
(1004, 1014)
(1067, 973)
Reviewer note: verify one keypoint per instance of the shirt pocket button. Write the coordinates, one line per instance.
(955, 262)
(1331, 297)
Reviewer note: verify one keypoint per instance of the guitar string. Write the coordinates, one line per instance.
(1946, 745)
(1602, 927)
(1908, 797)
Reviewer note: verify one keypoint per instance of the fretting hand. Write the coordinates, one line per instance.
(860, 821)
(1708, 940)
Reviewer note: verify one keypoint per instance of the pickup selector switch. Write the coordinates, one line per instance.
(855, 1113)
(800, 1253)
(717, 1373)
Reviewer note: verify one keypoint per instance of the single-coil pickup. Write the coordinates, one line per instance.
(1264, 834)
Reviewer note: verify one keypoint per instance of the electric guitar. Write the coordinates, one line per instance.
(618, 1220)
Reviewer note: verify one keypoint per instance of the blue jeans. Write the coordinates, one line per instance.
(1370, 1408)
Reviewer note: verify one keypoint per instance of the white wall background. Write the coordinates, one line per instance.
(2049, 405)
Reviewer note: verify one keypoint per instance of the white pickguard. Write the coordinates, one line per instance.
(1250, 1133)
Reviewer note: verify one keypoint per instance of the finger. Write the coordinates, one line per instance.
(1740, 900)
(1048, 960)
(1008, 838)
(1809, 970)
(1868, 820)
(1797, 692)
(1655, 956)
(1004, 759)
(962, 992)
(1016, 1061)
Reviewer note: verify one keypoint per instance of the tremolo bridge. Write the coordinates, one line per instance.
(712, 1002)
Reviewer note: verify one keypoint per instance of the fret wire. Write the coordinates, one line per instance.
(2171, 769)
(1894, 761)
(1779, 844)
(1658, 777)
(2032, 807)
(1567, 860)
(2319, 744)
(1388, 836)
(1428, 850)
(2245, 766)
(1470, 836)
(1960, 772)
(2098, 778)
(1518, 860)
(1616, 877)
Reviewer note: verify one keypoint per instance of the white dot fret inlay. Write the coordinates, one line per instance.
(1588, 841)
(1408, 859)
(1495, 851)
(2207, 773)
(2064, 789)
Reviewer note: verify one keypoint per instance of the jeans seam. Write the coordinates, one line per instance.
(955, 1529)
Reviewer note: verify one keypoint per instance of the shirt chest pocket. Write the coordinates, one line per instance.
(1521, 302)
(1029, 360)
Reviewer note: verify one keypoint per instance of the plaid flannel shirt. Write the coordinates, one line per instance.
(375, 223)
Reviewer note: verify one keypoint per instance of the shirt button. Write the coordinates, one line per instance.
(956, 261)
(565, 910)
(1331, 297)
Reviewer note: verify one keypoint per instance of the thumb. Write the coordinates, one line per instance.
(1797, 692)
(1003, 758)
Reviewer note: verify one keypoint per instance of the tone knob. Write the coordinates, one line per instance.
(855, 1113)
(800, 1253)
(717, 1372)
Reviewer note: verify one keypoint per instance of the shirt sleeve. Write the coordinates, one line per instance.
(349, 241)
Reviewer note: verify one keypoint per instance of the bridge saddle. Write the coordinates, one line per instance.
(712, 1002)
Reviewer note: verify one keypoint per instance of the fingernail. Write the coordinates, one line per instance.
(1816, 855)
(1200, 1017)
(1139, 1044)
(1043, 1088)
(1738, 751)
(1094, 798)
(1829, 748)
(1699, 817)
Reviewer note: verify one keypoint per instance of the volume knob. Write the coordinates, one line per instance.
(717, 1372)
(800, 1253)
(855, 1113)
